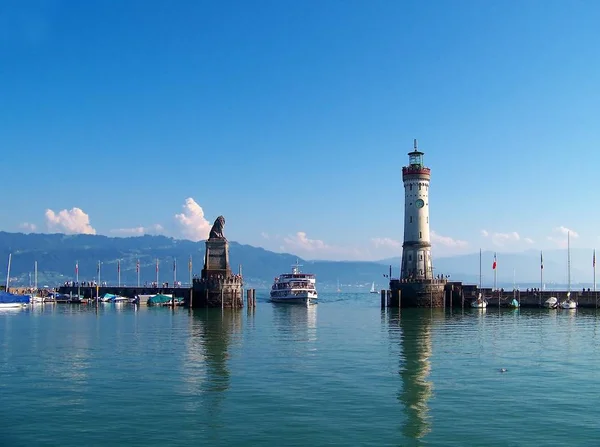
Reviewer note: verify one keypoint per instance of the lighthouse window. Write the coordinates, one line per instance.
(419, 187)
(409, 258)
(420, 235)
(428, 220)
(410, 219)
(420, 257)
(410, 186)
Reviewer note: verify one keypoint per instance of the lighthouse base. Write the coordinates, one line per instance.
(427, 293)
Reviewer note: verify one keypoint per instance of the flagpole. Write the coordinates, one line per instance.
(541, 271)
(156, 272)
(594, 269)
(190, 269)
(119, 272)
(137, 267)
(174, 272)
(495, 270)
(77, 279)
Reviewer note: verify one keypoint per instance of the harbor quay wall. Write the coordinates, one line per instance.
(218, 290)
(440, 293)
(535, 298)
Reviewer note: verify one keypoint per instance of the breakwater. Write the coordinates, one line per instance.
(456, 294)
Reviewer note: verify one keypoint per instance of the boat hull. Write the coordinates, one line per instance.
(292, 300)
(12, 305)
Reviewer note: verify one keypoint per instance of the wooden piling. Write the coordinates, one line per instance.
(383, 298)
(399, 299)
(462, 298)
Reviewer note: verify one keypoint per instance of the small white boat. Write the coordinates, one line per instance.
(294, 288)
(480, 302)
(551, 303)
(568, 304)
(373, 288)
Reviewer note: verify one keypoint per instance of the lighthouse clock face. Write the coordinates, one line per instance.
(419, 203)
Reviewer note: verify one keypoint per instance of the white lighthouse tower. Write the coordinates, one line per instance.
(416, 249)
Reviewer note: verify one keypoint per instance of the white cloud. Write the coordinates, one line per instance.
(565, 231)
(501, 239)
(265, 235)
(28, 227)
(194, 225)
(528, 240)
(447, 241)
(73, 221)
(562, 240)
(139, 231)
(301, 241)
(300, 244)
(385, 242)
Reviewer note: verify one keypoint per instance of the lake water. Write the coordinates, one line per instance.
(342, 372)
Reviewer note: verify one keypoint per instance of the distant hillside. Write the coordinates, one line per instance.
(526, 266)
(56, 255)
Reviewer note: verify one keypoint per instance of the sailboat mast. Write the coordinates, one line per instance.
(8, 272)
(35, 275)
(569, 262)
(480, 269)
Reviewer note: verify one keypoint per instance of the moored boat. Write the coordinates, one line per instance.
(294, 288)
(551, 303)
(480, 302)
(10, 300)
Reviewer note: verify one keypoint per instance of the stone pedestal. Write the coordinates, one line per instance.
(427, 293)
(217, 286)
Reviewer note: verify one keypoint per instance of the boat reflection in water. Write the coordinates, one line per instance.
(412, 328)
(297, 322)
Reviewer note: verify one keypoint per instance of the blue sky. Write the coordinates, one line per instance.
(293, 120)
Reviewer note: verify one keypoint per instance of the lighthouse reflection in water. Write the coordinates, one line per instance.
(412, 328)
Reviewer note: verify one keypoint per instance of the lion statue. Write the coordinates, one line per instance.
(216, 232)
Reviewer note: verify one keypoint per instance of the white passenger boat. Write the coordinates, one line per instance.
(295, 287)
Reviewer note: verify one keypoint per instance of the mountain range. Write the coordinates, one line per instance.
(56, 256)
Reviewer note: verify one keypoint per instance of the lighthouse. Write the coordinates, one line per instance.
(416, 249)
(416, 286)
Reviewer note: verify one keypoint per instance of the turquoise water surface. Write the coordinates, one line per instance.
(342, 372)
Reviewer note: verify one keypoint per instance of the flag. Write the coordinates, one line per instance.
(494, 264)
(77, 268)
(98, 268)
(541, 260)
(118, 265)
(594, 262)
(156, 265)
(190, 264)
(174, 265)
(137, 266)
